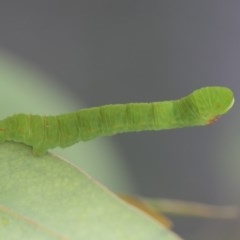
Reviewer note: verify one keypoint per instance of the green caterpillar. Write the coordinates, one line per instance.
(201, 107)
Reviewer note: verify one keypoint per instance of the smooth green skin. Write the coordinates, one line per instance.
(201, 107)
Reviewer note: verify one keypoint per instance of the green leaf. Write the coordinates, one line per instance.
(50, 198)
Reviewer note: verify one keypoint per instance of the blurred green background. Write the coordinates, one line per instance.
(58, 56)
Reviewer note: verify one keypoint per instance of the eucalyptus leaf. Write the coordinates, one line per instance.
(50, 198)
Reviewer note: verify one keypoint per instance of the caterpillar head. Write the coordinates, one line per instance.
(212, 102)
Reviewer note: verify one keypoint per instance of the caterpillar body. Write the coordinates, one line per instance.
(201, 107)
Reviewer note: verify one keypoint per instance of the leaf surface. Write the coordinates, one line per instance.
(50, 198)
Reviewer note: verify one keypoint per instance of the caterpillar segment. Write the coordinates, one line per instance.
(201, 107)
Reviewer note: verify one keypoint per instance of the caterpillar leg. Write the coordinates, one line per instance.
(39, 151)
